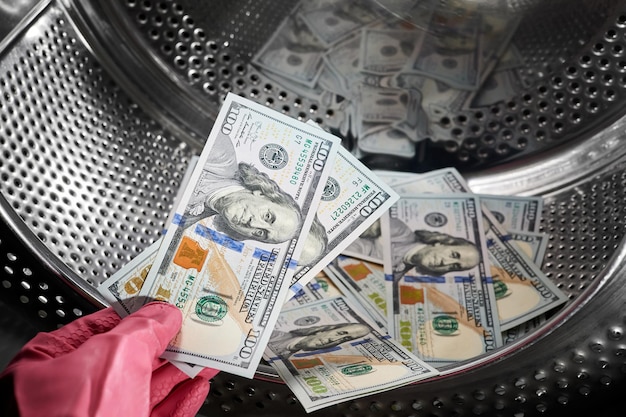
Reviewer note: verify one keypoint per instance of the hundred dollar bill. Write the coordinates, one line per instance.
(387, 105)
(354, 198)
(394, 177)
(450, 53)
(501, 85)
(333, 22)
(532, 244)
(320, 287)
(521, 289)
(122, 288)
(496, 31)
(366, 281)
(444, 180)
(438, 98)
(440, 298)
(513, 212)
(228, 258)
(439, 101)
(517, 332)
(416, 12)
(368, 245)
(323, 287)
(327, 353)
(387, 141)
(329, 80)
(343, 60)
(386, 51)
(416, 124)
(293, 52)
(511, 58)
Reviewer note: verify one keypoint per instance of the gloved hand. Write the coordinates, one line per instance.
(100, 365)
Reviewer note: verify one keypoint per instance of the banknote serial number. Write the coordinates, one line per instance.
(354, 199)
(350, 201)
(185, 293)
(321, 155)
(301, 162)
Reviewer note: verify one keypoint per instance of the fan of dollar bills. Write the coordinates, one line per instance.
(399, 83)
(282, 246)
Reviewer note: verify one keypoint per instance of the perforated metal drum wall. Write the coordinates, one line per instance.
(104, 103)
(83, 165)
(572, 77)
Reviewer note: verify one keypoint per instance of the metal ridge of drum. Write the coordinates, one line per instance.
(92, 157)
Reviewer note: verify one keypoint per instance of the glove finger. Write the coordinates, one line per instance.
(168, 376)
(185, 400)
(151, 328)
(69, 337)
(164, 379)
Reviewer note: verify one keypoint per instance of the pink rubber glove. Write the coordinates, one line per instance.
(101, 365)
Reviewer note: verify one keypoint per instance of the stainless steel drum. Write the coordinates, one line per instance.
(103, 103)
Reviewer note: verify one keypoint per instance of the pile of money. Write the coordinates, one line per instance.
(282, 247)
(450, 274)
(398, 82)
(265, 207)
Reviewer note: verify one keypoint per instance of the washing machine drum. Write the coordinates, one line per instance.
(105, 102)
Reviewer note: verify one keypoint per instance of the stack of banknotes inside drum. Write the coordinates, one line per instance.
(282, 247)
(400, 72)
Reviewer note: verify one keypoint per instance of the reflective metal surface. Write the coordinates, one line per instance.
(572, 55)
(103, 104)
